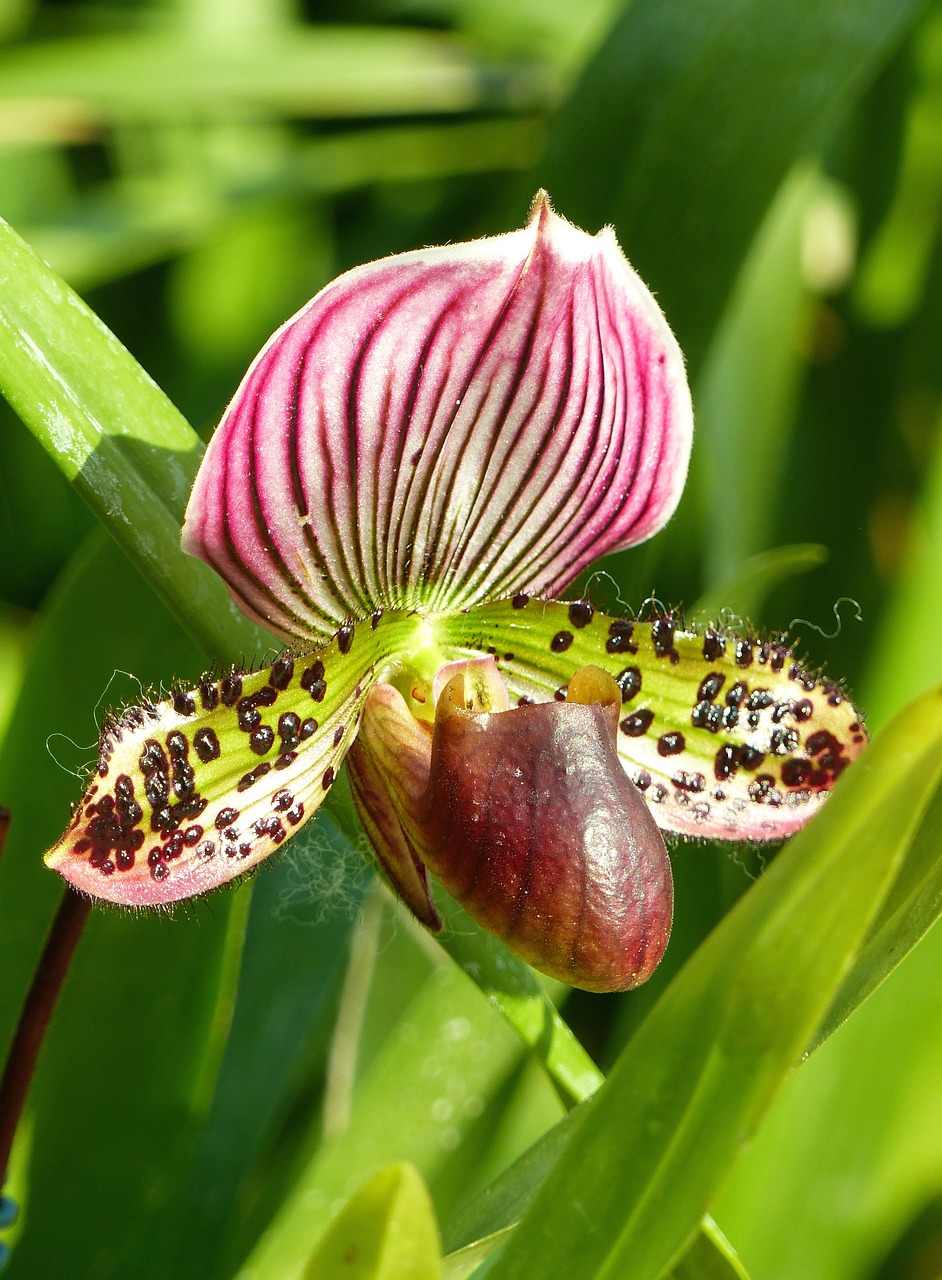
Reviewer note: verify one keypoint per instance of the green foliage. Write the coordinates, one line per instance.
(232, 1090)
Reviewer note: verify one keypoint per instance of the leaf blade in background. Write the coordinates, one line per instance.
(327, 71)
(419, 1102)
(386, 1231)
(115, 435)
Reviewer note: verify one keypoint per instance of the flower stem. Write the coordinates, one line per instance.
(34, 1018)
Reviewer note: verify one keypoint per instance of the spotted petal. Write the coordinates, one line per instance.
(727, 737)
(444, 427)
(194, 791)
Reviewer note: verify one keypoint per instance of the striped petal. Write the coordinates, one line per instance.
(444, 427)
(195, 790)
(726, 737)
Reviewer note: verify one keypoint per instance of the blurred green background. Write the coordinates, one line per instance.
(197, 169)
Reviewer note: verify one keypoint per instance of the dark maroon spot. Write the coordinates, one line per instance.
(206, 744)
(262, 740)
(308, 729)
(271, 827)
(124, 859)
(823, 740)
(520, 600)
(524, 701)
(193, 835)
(183, 704)
(730, 717)
(375, 618)
(670, 744)
(230, 689)
(561, 641)
(629, 681)
(706, 715)
(174, 846)
(620, 631)
(82, 845)
(328, 778)
(249, 715)
(159, 871)
(184, 779)
(286, 758)
(744, 653)
(508, 657)
(803, 710)
(338, 735)
(714, 645)
(177, 745)
(249, 779)
(289, 726)
(662, 636)
(295, 815)
(282, 800)
(783, 742)
(778, 657)
(155, 856)
(312, 674)
(560, 694)
(345, 637)
(642, 780)
(206, 849)
(749, 758)
(735, 694)
(581, 614)
(637, 723)
(282, 669)
(209, 695)
(759, 699)
(710, 686)
(796, 772)
(226, 817)
(692, 782)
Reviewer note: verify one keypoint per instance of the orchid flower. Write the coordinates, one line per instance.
(412, 472)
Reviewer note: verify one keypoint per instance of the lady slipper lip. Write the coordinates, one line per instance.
(435, 444)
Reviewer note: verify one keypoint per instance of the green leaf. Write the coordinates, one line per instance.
(419, 1101)
(741, 593)
(517, 992)
(386, 1231)
(696, 172)
(655, 1143)
(465, 1262)
(710, 1257)
(271, 1048)
(115, 435)
(325, 71)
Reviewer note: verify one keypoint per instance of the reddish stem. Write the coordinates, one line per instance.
(34, 1019)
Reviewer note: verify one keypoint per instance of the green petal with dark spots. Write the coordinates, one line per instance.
(727, 737)
(195, 790)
